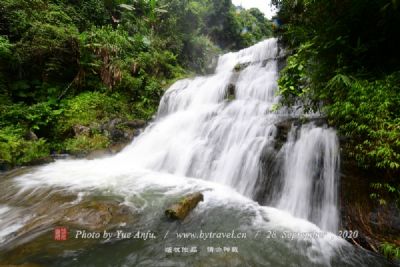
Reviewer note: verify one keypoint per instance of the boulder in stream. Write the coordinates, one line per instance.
(181, 210)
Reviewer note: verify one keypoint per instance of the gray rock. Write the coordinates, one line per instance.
(81, 130)
(117, 135)
(31, 136)
(135, 124)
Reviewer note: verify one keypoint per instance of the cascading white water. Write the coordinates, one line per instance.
(200, 133)
(310, 176)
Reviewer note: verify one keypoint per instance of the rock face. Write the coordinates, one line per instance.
(231, 92)
(135, 124)
(375, 223)
(96, 215)
(113, 131)
(181, 210)
(120, 131)
(93, 215)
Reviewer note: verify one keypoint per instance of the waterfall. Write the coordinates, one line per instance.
(270, 174)
(310, 176)
(217, 127)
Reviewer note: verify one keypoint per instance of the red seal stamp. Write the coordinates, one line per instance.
(60, 233)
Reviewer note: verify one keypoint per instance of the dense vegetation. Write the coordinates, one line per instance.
(69, 63)
(344, 59)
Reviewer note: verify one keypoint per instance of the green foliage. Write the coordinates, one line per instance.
(254, 26)
(368, 114)
(294, 82)
(236, 28)
(90, 12)
(384, 192)
(15, 150)
(103, 51)
(65, 63)
(85, 144)
(391, 251)
(37, 117)
(199, 53)
(90, 109)
(5, 48)
(343, 58)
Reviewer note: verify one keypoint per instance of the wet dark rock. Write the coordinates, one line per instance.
(5, 166)
(270, 180)
(40, 161)
(281, 61)
(283, 129)
(135, 124)
(375, 223)
(60, 156)
(241, 66)
(282, 55)
(231, 92)
(117, 131)
(117, 135)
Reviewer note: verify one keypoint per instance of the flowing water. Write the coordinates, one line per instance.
(217, 134)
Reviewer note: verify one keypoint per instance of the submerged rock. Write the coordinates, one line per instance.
(90, 215)
(50, 210)
(95, 215)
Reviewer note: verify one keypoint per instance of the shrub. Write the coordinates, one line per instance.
(91, 109)
(15, 150)
(84, 144)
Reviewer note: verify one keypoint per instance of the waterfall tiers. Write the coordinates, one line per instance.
(220, 135)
